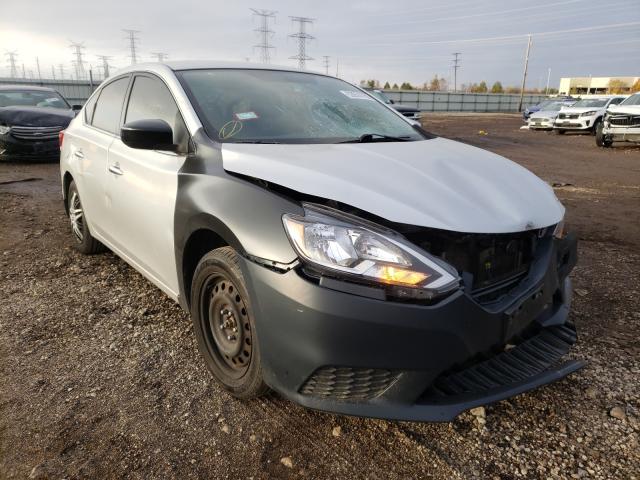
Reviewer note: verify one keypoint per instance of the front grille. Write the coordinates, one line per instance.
(625, 120)
(347, 383)
(495, 262)
(530, 357)
(36, 133)
(572, 116)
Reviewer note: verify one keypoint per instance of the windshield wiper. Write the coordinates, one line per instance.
(256, 141)
(375, 137)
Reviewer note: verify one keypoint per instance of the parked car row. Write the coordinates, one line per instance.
(611, 117)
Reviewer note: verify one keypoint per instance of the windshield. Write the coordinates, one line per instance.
(553, 107)
(591, 102)
(632, 100)
(244, 106)
(32, 98)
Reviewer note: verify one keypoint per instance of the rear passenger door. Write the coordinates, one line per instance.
(143, 185)
(89, 151)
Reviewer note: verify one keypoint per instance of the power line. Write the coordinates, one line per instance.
(160, 56)
(79, 62)
(105, 65)
(303, 37)
(11, 60)
(265, 33)
(456, 66)
(133, 43)
(325, 63)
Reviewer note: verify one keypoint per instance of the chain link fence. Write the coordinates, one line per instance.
(462, 102)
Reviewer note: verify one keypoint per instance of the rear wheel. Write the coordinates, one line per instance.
(84, 241)
(224, 324)
(601, 138)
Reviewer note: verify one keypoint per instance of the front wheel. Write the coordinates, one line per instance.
(601, 138)
(224, 324)
(596, 124)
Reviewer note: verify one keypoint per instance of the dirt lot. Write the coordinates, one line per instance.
(100, 375)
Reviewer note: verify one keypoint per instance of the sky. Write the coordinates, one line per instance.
(393, 41)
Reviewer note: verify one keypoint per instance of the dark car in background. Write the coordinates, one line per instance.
(31, 119)
(410, 112)
(545, 103)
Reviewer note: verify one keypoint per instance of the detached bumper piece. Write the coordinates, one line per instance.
(538, 356)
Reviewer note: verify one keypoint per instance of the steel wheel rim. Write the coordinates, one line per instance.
(76, 216)
(228, 331)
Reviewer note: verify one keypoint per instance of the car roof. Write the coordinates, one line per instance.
(26, 88)
(203, 65)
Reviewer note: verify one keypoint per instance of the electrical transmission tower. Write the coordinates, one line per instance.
(79, 62)
(61, 70)
(456, 66)
(105, 64)
(11, 60)
(160, 56)
(325, 63)
(302, 37)
(132, 36)
(264, 47)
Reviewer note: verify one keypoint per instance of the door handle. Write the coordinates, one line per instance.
(115, 169)
(78, 154)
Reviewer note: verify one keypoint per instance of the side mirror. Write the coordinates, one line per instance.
(152, 134)
(392, 101)
(76, 108)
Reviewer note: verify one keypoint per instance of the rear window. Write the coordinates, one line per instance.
(109, 106)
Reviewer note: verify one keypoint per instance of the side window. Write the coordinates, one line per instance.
(151, 99)
(89, 108)
(616, 101)
(106, 115)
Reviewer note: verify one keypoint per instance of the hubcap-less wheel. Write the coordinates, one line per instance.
(76, 216)
(227, 326)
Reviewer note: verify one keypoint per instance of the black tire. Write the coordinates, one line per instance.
(224, 324)
(560, 131)
(83, 240)
(601, 139)
(594, 128)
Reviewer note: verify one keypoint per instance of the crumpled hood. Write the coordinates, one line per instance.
(624, 109)
(434, 183)
(545, 114)
(35, 116)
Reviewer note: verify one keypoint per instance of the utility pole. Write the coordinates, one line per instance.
(11, 60)
(53, 72)
(302, 37)
(39, 73)
(264, 32)
(546, 90)
(337, 68)
(325, 63)
(456, 66)
(24, 73)
(79, 61)
(133, 43)
(61, 70)
(105, 65)
(524, 75)
(160, 56)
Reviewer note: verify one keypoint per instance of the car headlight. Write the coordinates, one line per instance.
(588, 114)
(342, 245)
(4, 129)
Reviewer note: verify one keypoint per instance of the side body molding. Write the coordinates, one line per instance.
(242, 214)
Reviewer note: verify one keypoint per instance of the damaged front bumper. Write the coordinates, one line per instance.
(17, 149)
(337, 349)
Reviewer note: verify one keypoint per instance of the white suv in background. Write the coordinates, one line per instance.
(585, 114)
(621, 123)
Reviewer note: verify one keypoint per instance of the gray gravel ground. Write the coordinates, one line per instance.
(100, 375)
